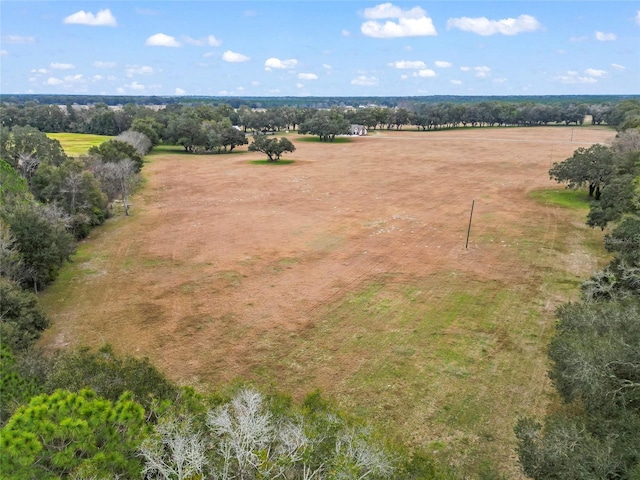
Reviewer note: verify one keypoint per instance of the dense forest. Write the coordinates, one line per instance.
(86, 414)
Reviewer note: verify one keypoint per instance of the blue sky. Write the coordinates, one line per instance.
(320, 48)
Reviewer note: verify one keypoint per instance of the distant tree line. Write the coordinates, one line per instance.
(306, 102)
(209, 127)
(595, 354)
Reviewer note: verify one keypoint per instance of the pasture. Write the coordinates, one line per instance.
(347, 271)
(76, 144)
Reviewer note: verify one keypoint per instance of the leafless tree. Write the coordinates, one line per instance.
(27, 165)
(118, 179)
(139, 140)
(627, 141)
(176, 451)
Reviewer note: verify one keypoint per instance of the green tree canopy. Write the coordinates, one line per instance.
(271, 146)
(593, 166)
(114, 151)
(69, 434)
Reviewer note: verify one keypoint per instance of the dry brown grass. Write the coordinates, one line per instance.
(346, 271)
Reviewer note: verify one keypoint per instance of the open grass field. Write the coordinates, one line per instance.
(347, 271)
(76, 144)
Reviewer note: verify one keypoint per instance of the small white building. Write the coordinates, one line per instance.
(359, 130)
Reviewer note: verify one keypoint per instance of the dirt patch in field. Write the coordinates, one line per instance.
(224, 262)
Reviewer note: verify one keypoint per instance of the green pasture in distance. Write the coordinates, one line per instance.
(578, 199)
(76, 144)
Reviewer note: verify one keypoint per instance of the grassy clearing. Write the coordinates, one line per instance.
(267, 162)
(445, 361)
(76, 144)
(575, 199)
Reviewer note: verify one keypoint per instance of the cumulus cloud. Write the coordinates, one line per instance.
(408, 64)
(618, 67)
(97, 78)
(572, 77)
(482, 71)
(132, 70)
(100, 64)
(465, 69)
(456, 82)
(209, 40)
(346, 33)
(234, 57)
(18, 39)
(425, 73)
(506, 26)
(104, 18)
(135, 86)
(62, 66)
(162, 40)
(592, 72)
(54, 81)
(364, 80)
(605, 37)
(443, 64)
(276, 63)
(409, 23)
(299, 85)
(326, 66)
(180, 91)
(307, 76)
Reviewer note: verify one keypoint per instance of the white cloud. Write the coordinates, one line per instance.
(274, 62)
(255, 83)
(408, 64)
(234, 57)
(605, 37)
(389, 10)
(299, 85)
(618, 67)
(39, 70)
(208, 54)
(326, 66)
(180, 91)
(482, 72)
(406, 27)
(572, 77)
(54, 81)
(103, 18)
(132, 70)
(210, 40)
(346, 33)
(18, 39)
(364, 80)
(456, 82)
(410, 23)
(307, 76)
(404, 76)
(638, 17)
(499, 80)
(506, 26)
(592, 72)
(443, 64)
(465, 69)
(97, 78)
(162, 40)
(138, 87)
(104, 64)
(425, 73)
(3, 53)
(62, 66)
